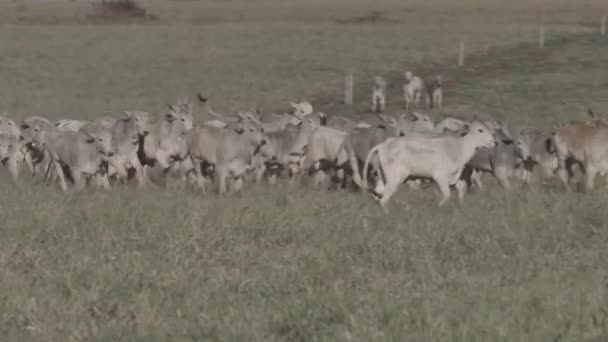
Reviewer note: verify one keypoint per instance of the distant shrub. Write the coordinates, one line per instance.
(118, 10)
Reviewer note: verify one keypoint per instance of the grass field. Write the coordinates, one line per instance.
(291, 263)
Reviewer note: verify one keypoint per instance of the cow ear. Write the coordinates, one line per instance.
(169, 117)
(89, 138)
(129, 114)
(383, 117)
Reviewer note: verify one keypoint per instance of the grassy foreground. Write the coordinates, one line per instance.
(290, 263)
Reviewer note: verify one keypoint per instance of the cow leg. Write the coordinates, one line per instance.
(392, 184)
(237, 185)
(222, 174)
(461, 187)
(319, 178)
(476, 175)
(591, 173)
(503, 178)
(198, 175)
(139, 175)
(259, 172)
(79, 181)
(13, 168)
(382, 104)
(563, 175)
(27, 157)
(59, 172)
(354, 165)
(444, 187)
(272, 180)
(102, 181)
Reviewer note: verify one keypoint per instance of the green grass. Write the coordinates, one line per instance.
(290, 263)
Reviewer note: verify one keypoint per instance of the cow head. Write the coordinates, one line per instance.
(390, 123)
(141, 121)
(254, 132)
(9, 127)
(423, 122)
(480, 134)
(183, 112)
(524, 141)
(301, 109)
(408, 76)
(5, 144)
(102, 138)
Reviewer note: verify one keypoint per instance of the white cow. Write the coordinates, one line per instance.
(441, 157)
(412, 90)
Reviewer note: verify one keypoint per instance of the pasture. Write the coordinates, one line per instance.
(289, 263)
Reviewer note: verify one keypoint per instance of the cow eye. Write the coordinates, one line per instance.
(480, 130)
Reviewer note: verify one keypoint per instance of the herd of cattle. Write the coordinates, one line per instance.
(378, 154)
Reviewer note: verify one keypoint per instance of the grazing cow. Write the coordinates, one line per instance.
(434, 96)
(536, 147)
(581, 143)
(379, 95)
(412, 90)
(440, 157)
(83, 152)
(228, 151)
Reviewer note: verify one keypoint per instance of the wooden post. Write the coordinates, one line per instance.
(461, 54)
(541, 29)
(348, 88)
(603, 26)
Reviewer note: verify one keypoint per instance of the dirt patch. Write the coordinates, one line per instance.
(119, 11)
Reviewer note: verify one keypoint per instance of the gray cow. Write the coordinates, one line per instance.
(228, 151)
(501, 160)
(285, 149)
(357, 145)
(83, 153)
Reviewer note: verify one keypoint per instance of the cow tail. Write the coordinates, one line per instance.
(376, 149)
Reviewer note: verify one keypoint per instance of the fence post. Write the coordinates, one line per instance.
(348, 88)
(541, 29)
(603, 26)
(461, 54)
